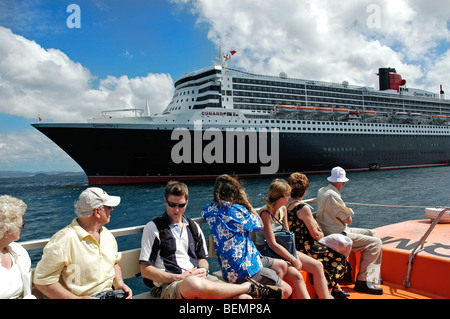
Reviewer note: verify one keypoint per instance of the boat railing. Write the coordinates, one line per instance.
(129, 262)
(40, 243)
(420, 246)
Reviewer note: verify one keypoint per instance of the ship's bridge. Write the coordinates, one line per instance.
(197, 90)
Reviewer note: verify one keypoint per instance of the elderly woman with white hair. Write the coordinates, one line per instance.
(15, 263)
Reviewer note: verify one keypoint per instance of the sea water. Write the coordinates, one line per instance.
(50, 200)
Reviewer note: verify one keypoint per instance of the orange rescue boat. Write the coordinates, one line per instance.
(416, 259)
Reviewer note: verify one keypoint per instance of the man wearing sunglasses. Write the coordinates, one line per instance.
(173, 256)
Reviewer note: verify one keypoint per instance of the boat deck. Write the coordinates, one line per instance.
(430, 270)
(390, 292)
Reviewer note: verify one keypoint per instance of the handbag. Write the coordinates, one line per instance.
(283, 237)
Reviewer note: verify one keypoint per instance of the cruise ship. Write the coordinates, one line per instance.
(223, 120)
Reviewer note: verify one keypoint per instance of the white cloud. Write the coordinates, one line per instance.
(332, 40)
(128, 55)
(124, 92)
(34, 149)
(35, 81)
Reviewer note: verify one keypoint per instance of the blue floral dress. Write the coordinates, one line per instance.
(231, 225)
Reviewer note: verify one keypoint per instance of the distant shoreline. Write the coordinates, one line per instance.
(16, 174)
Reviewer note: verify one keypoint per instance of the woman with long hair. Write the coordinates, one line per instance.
(232, 219)
(308, 233)
(278, 194)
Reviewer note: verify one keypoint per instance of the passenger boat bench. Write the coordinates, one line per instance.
(131, 268)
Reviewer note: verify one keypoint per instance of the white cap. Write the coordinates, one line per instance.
(95, 197)
(338, 175)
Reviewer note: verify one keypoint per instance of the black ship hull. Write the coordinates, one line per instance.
(117, 154)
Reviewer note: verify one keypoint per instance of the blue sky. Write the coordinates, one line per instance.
(128, 52)
(117, 37)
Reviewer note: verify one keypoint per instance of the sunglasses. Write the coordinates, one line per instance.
(171, 204)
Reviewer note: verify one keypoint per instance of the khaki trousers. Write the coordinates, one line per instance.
(369, 245)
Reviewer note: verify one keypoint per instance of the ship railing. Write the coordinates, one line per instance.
(306, 82)
(134, 111)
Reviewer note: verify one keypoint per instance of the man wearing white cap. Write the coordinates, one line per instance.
(334, 217)
(81, 260)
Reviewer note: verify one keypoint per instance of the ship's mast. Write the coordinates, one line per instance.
(221, 60)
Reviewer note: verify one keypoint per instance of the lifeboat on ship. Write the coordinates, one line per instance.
(368, 113)
(439, 118)
(306, 109)
(286, 108)
(324, 110)
(415, 117)
(401, 115)
(341, 111)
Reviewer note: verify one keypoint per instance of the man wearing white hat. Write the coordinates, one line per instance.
(81, 260)
(334, 217)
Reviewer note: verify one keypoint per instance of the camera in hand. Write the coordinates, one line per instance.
(112, 294)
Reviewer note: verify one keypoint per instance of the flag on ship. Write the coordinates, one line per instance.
(228, 56)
